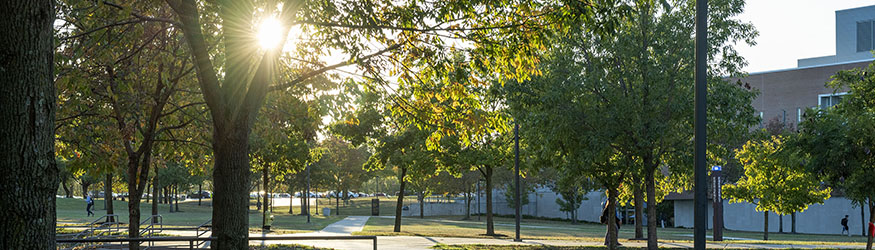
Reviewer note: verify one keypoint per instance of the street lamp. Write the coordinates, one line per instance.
(516, 166)
(700, 211)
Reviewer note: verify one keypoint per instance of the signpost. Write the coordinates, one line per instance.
(717, 179)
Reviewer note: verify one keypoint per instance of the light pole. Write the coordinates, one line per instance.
(516, 166)
(700, 211)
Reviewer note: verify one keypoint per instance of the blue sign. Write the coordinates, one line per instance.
(716, 168)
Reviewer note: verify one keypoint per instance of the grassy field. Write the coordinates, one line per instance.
(72, 212)
(545, 229)
(512, 247)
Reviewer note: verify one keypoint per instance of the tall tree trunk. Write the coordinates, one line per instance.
(28, 171)
(304, 204)
(265, 183)
(468, 203)
(611, 220)
(793, 222)
(780, 223)
(651, 211)
(871, 220)
(638, 194)
(231, 184)
(421, 205)
(177, 197)
(337, 202)
(107, 197)
(766, 225)
(400, 203)
(200, 193)
(156, 197)
(67, 192)
(490, 226)
(84, 186)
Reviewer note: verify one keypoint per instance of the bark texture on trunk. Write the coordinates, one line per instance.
(871, 220)
(651, 211)
(67, 191)
(107, 197)
(638, 194)
(490, 225)
(28, 171)
(400, 203)
(766, 225)
(231, 178)
(421, 205)
(611, 220)
(793, 222)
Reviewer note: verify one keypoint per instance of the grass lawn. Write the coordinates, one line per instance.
(513, 247)
(560, 230)
(359, 206)
(72, 212)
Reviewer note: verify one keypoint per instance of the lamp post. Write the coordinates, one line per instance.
(700, 211)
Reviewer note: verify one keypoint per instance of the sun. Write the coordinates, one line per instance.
(269, 33)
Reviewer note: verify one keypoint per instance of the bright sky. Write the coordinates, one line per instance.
(790, 30)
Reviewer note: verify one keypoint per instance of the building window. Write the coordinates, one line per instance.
(829, 100)
(865, 34)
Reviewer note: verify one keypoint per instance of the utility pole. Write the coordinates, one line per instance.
(700, 211)
(516, 166)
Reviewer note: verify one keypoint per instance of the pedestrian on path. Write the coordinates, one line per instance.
(90, 203)
(845, 226)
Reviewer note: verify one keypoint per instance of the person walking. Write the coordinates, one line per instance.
(845, 226)
(90, 203)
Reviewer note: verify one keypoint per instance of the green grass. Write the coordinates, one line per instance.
(518, 247)
(72, 212)
(557, 230)
(287, 247)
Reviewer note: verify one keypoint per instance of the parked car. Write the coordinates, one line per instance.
(284, 195)
(203, 194)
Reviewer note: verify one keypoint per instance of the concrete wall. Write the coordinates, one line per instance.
(845, 37)
(817, 219)
(846, 33)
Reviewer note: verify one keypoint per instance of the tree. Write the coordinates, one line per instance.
(27, 165)
(839, 140)
(775, 180)
(573, 192)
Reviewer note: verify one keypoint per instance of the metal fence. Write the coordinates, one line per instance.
(192, 240)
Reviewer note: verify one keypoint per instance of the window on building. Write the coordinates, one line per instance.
(865, 34)
(829, 100)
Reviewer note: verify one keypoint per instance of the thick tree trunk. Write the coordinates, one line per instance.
(793, 222)
(107, 197)
(871, 220)
(156, 198)
(651, 211)
(265, 183)
(67, 192)
(638, 194)
(611, 220)
(231, 184)
(780, 223)
(490, 225)
(200, 193)
(468, 204)
(766, 225)
(400, 204)
(28, 172)
(84, 186)
(421, 205)
(177, 197)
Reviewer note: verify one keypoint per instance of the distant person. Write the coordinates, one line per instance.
(845, 226)
(90, 203)
(604, 220)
